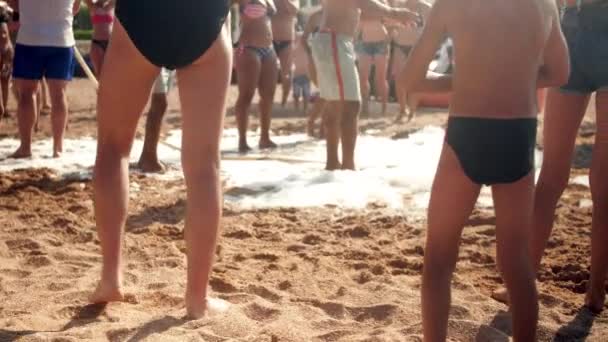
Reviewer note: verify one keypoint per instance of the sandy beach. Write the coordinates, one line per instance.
(328, 272)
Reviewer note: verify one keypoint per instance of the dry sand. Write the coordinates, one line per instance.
(318, 274)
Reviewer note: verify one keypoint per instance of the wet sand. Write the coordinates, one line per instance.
(316, 274)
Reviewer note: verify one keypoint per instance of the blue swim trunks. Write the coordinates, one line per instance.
(586, 31)
(35, 62)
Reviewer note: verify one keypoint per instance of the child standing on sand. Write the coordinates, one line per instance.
(301, 80)
(504, 51)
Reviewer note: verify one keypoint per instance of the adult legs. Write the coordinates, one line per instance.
(248, 67)
(381, 63)
(286, 61)
(365, 65)
(117, 114)
(59, 112)
(596, 293)
(267, 86)
(27, 112)
(333, 132)
(203, 120)
(349, 131)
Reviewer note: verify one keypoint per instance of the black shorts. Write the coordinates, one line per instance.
(172, 33)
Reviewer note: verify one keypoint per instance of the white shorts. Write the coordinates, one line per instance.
(337, 73)
(164, 82)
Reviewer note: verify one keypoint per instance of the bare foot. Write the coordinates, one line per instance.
(399, 117)
(106, 293)
(45, 111)
(150, 166)
(267, 143)
(21, 153)
(595, 300)
(197, 309)
(310, 129)
(501, 295)
(57, 154)
(333, 166)
(412, 116)
(244, 148)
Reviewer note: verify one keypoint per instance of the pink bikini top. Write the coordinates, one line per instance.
(102, 17)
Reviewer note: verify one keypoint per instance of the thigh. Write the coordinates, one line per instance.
(365, 64)
(59, 64)
(203, 116)
(57, 91)
(268, 76)
(123, 92)
(381, 63)
(514, 206)
(563, 117)
(285, 58)
(248, 68)
(28, 63)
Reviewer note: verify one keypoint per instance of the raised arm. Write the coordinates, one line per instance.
(556, 62)
(413, 77)
(14, 5)
(377, 8)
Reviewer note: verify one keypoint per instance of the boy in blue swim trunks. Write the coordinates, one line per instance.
(44, 48)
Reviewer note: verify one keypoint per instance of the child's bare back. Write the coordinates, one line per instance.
(502, 50)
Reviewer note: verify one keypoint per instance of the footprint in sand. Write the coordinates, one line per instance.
(264, 293)
(22, 245)
(38, 261)
(119, 335)
(261, 313)
(221, 286)
(378, 313)
(240, 234)
(336, 335)
(333, 310)
(266, 257)
(312, 239)
(57, 287)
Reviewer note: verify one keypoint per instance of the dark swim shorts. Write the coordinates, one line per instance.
(586, 32)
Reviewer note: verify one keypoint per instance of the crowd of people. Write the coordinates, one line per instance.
(504, 51)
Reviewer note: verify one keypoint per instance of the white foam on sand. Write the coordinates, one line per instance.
(394, 173)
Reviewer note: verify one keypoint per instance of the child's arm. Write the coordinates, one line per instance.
(556, 65)
(414, 74)
(377, 8)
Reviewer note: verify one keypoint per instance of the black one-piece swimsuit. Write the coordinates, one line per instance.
(172, 33)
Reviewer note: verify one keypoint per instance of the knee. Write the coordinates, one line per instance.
(552, 183)
(26, 96)
(58, 100)
(201, 164)
(245, 97)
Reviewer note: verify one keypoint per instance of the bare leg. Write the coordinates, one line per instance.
(46, 97)
(248, 71)
(97, 56)
(315, 112)
(398, 63)
(59, 113)
(365, 64)
(562, 118)
(286, 60)
(333, 131)
(148, 161)
(381, 81)
(514, 206)
(267, 87)
(453, 198)
(596, 294)
(203, 120)
(26, 116)
(117, 120)
(350, 130)
(5, 81)
(296, 103)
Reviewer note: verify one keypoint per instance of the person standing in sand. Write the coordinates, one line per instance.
(283, 35)
(256, 68)
(334, 55)
(139, 48)
(586, 30)
(374, 49)
(490, 139)
(45, 48)
(6, 56)
(102, 18)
